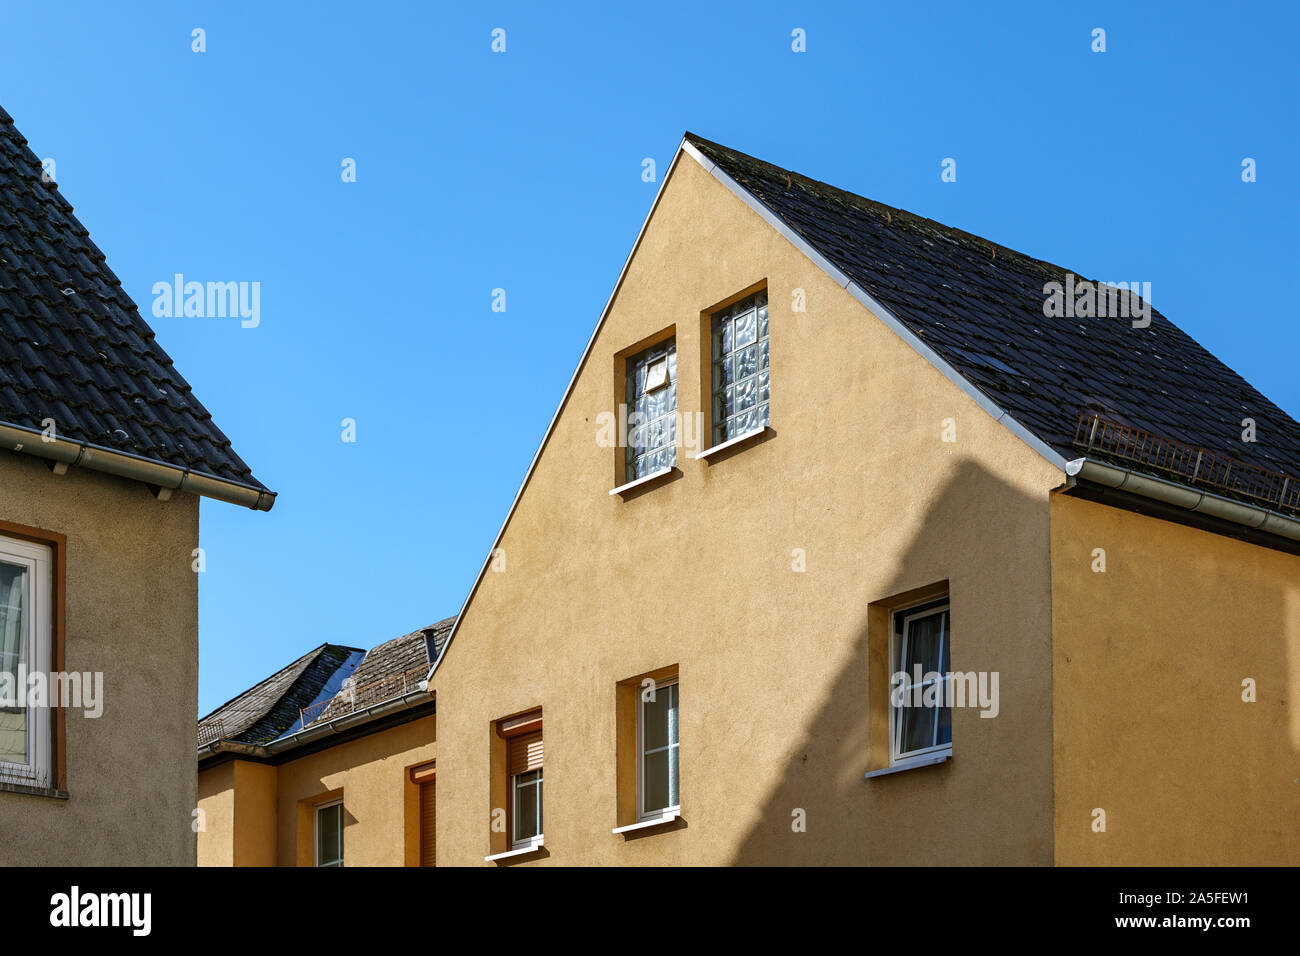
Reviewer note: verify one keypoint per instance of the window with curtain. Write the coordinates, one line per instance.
(741, 377)
(658, 742)
(652, 399)
(921, 638)
(329, 834)
(26, 646)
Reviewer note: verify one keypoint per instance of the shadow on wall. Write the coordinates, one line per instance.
(990, 804)
(1150, 723)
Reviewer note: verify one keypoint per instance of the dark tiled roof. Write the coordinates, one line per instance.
(73, 346)
(391, 669)
(981, 310)
(266, 711)
(337, 680)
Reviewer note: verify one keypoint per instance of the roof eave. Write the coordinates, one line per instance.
(159, 476)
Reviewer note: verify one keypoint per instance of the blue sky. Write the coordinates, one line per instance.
(522, 171)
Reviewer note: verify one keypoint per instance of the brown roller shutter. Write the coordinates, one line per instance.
(428, 824)
(525, 753)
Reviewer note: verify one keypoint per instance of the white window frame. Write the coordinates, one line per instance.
(516, 841)
(897, 653)
(38, 560)
(316, 811)
(642, 813)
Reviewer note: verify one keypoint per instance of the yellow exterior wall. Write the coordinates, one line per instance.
(263, 812)
(216, 838)
(132, 614)
(697, 573)
(1149, 658)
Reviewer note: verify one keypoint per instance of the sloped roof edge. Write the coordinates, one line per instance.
(568, 390)
(687, 148)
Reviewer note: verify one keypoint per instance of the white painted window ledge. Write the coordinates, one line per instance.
(910, 764)
(731, 442)
(536, 844)
(644, 479)
(668, 816)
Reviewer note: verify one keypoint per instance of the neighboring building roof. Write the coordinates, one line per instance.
(73, 347)
(389, 670)
(272, 708)
(980, 307)
(324, 684)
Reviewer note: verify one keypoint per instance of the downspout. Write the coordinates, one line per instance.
(1182, 496)
(63, 454)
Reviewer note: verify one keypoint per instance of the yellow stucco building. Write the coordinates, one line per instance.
(857, 539)
(328, 762)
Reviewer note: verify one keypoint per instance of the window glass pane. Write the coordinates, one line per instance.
(528, 805)
(924, 644)
(655, 715)
(13, 652)
(655, 784)
(652, 432)
(329, 834)
(917, 730)
(746, 328)
(746, 394)
(672, 714)
(746, 362)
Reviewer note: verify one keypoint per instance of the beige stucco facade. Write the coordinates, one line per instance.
(131, 614)
(1150, 657)
(698, 574)
(261, 814)
(763, 580)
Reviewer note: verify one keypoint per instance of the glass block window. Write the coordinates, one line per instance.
(740, 370)
(652, 410)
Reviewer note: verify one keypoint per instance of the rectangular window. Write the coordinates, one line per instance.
(919, 652)
(26, 644)
(525, 768)
(652, 410)
(329, 834)
(657, 751)
(741, 377)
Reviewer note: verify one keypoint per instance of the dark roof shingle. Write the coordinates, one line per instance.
(981, 309)
(73, 347)
(272, 707)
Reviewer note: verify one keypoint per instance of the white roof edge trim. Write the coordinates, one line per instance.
(568, 390)
(841, 279)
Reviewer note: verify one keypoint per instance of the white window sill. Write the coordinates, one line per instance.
(535, 844)
(732, 442)
(668, 816)
(911, 763)
(643, 480)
